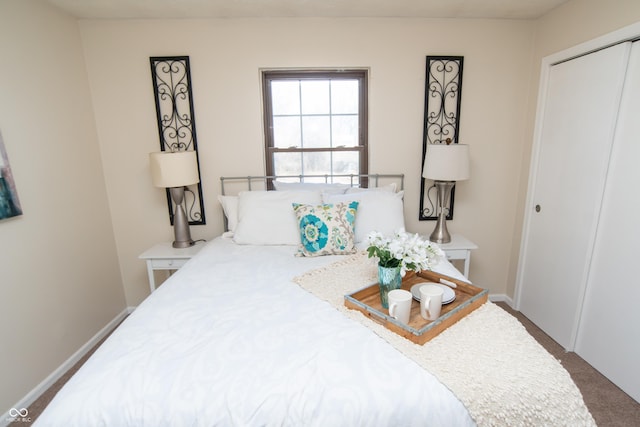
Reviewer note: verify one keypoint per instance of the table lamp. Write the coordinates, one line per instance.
(176, 170)
(445, 164)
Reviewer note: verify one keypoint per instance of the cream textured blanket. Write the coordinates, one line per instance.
(489, 361)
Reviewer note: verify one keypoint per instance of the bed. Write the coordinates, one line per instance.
(251, 333)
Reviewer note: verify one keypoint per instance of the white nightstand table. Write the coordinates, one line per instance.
(163, 256)
(459, 248)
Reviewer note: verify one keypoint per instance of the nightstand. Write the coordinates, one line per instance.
(459, 248)
(163, 256)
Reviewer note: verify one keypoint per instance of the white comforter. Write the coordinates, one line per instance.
(229, 340)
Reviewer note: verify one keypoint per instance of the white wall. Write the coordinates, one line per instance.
(226, 56)
(573, 23)
(59, 276)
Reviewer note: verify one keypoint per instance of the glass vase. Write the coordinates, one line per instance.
(389, 278)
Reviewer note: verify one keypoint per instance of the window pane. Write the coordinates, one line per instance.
(287, 163)
(314, 111)
(344, 96)
(285, 97)
(286, 132)
(316, 132)
(316, 163)
(346, 162)
(344, 131)
(315, 96)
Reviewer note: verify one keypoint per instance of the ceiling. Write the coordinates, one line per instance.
(143, 9)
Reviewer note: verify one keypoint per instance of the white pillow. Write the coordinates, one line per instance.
(390, 187)
(311, 186)
(267, 217)
(230, 208)
(381, 211)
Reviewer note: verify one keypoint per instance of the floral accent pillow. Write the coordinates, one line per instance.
(326, 229)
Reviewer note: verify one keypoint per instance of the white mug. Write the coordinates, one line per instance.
(400, 305)
(430, 301)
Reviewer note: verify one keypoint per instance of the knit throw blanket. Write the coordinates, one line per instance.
(487, 359)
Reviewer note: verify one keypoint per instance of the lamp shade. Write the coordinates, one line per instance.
(444, 162)
(174, 169)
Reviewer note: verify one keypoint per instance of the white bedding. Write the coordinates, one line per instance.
(500, 373)
(230, 340)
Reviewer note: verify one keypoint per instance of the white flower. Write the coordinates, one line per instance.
(405, 250)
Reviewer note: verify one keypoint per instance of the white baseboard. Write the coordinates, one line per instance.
(12, 415)
(501, 298)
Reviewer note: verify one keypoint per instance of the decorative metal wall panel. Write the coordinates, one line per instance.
(171, 77)
(443, 94)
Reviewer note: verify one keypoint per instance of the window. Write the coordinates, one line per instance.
(315, 122)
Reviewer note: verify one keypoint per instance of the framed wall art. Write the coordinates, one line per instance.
(9, 202)
(171, 77)
(442, 98)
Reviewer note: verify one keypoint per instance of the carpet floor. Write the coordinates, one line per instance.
(610, 406)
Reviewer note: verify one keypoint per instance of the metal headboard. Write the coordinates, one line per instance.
(265, 182)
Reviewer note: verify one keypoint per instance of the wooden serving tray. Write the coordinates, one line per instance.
(419, 330)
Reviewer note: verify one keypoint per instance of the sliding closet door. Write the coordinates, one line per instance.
(576, 133)
(609, 333)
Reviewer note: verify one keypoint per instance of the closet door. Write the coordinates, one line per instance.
(575, 138)
(609, 333)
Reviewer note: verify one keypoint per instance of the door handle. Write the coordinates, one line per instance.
(537, 208)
